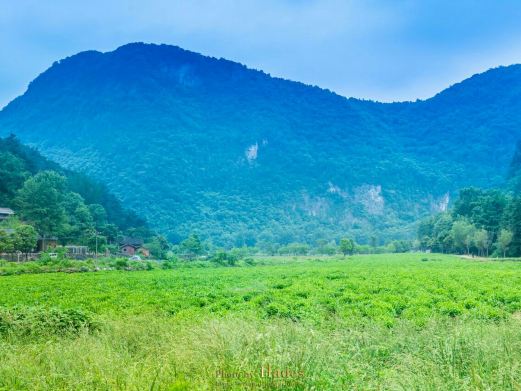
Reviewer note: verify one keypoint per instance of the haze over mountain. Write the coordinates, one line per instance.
(198, 144)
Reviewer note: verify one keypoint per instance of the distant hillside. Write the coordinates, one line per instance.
(198, 144)
(19, 163)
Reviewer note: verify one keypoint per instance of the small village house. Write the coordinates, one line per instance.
(132, 246)
(44, 243)
(5, 213)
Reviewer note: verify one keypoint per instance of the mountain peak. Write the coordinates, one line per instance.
(493, 85)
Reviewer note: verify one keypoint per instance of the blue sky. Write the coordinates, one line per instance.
(383, 50)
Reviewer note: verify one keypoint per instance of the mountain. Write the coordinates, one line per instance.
(199, 144)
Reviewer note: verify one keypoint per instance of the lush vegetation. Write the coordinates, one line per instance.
(207, 146)
(481, 222)
(409, 321)
(51, 202)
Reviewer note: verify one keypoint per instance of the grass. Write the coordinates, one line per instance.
(406, 321)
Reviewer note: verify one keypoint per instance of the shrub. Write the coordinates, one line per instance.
(224, 258)
(121, 263)
(166, 265)
(39, 321)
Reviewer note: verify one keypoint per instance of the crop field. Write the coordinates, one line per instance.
(401, 321)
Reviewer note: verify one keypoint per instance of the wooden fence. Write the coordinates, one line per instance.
(19, 257)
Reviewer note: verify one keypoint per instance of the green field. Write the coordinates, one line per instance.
(408, 321)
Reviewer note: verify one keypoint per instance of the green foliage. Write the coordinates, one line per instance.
(361, 288)
(12, 175)
(512, 222)
(41, 200)
(504, 240)
(79, 219)
(95, 241)
(169, 264)
(482, 241)
(347, 246)
(480, 221)
(462, 234)
(226, 258)
(294, 249)
(159, 247)
(6, 242)
(21, 237)
(25, 238)
(399, 246)
(514, 174)
(121, 263)
(324, 247)
(191, 247)
(43, 322)
(57, 202)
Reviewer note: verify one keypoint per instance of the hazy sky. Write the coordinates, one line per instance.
(384, 50)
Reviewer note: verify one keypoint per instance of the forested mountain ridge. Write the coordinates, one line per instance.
(198, 144)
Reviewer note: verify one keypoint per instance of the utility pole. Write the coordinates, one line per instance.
(96, 233)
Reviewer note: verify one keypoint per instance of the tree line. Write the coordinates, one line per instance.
(481, 222)
(194, 248)
(53, 203)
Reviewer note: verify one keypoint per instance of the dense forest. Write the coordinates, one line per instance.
(52, 202)
(207, 146)
(481, 222)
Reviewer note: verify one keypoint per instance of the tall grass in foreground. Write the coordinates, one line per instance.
(386, 322)
(143, 353)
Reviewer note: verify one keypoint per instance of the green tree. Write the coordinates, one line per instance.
(6, 242)
(466, 202)
(40, 201)
(95, 241)
(347, 246)
(326, 248)
(99, 215)
(503, 241)
(159, 247)
(269, 248)
(514, 174)
(489, 211)
(191, 247)
(78, 217)
(462, 234)
(374, 241)
(512, 222)
(294, 249)
(25, 238)
(482, 241)
(12, 176)
(399, 246)
(111, 232)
